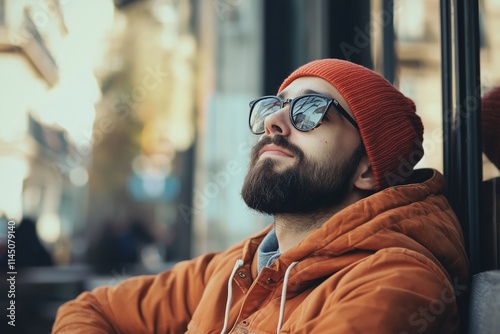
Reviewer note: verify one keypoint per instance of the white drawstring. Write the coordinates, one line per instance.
(237, 265)
(283, 295)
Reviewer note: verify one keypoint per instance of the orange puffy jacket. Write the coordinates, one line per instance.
(393, 262)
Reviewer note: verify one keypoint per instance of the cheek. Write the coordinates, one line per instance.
(334, 147)
(323, 149)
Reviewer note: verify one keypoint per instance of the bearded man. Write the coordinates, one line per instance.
(361, 242)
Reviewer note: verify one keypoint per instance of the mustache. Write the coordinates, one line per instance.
(277, 140)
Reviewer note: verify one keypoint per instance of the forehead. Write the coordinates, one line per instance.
(308, 85)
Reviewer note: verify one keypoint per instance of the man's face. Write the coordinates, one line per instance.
(303, 172)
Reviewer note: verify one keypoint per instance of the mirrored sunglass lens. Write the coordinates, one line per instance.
(308, 111)
(261, 109)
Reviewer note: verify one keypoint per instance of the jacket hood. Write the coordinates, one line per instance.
(414, 216)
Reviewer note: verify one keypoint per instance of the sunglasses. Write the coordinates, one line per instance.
(306, 111)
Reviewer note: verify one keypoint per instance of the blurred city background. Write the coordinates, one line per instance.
(124, 138)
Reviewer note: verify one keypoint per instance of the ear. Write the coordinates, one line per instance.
(363, 178)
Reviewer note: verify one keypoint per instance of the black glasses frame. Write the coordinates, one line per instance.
(330, 100)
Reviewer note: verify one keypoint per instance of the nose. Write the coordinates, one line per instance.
(278, 123)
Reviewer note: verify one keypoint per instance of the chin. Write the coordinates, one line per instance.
(275, 163)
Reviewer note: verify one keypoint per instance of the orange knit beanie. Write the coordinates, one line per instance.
(491, 125)
(391, 131)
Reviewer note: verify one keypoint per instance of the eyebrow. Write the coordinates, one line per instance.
(303, 92)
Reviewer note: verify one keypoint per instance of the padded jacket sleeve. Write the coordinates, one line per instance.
(143, 304)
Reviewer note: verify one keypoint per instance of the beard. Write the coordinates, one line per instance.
(305, 187)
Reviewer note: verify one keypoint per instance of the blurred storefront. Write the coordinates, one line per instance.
(48, 52)
(99, 129)
(143, 163)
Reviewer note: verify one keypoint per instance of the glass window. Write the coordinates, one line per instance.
(490, 90)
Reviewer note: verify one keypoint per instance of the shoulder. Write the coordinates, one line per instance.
(400, 276)
(399, 260)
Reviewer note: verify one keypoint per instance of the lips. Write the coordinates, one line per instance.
(272, 149)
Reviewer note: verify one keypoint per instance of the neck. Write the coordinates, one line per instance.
(291, 229)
